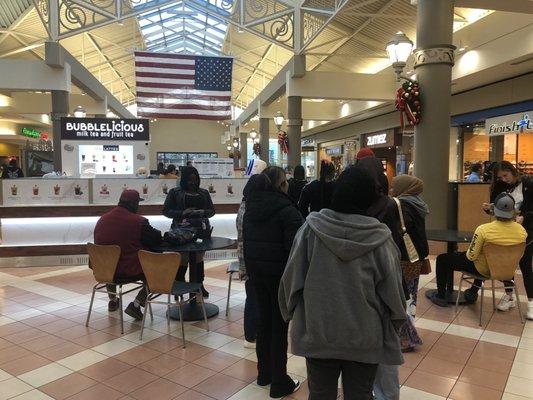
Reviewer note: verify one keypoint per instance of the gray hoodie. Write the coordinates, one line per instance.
(342, 289)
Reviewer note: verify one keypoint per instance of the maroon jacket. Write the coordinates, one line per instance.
(123, 228)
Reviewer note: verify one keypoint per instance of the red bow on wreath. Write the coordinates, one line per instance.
(283, 142)
(408, 103)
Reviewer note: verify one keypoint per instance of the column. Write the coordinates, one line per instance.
(294, 130)
(434, 58)
(244, 149)
(264, 132)
(60, 108)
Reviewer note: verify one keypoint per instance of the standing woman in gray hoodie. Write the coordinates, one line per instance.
(342, 289)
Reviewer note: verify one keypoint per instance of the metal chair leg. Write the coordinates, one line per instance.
(91, 305)
(151, 312)
(481, 305)
(168, 311)
(144, 319)
(493, 296)
(459, 293)
(204, 312)
(121, 310)
(182, 323)
(518, 303)
(229, 293)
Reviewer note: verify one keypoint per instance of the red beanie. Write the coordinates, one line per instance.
(364, 152)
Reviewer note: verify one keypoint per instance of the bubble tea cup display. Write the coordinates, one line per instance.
(57, 190)
(145, 189)
(36, 190)
(14, 190)
(77, 190)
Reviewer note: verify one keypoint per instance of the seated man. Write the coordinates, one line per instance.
(123, 227)
(504, 231)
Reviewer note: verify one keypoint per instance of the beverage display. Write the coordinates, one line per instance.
(14, 190)
(104, 190)
(165, 188)
(230, 189)
(36, 190)
(211, 189)
(77, 190)
(108, 159)
(57, 190)
(145, 189)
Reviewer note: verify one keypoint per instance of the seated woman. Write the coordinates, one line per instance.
(504, 231)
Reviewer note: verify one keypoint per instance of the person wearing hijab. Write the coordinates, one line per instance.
(317, 195)
(407, 189)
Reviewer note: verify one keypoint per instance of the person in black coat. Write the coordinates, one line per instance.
(318, 194)
(507, 179)
(189, 202)
(270, 223)
(297, 183)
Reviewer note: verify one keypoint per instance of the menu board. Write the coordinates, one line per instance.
(23, 192)
(153, 191)
(215, 167)
(107, 159)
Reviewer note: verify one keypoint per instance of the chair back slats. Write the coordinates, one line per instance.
(503, 260)
(103, 260)
(160, 270)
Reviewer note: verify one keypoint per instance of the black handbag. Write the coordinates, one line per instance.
(181, 234)
(201, 226)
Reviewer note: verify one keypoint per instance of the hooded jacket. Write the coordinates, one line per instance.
(269, 225)
(342, 289)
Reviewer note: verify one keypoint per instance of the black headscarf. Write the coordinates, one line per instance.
(185, 175)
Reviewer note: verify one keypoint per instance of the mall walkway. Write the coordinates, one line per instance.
(46, 352)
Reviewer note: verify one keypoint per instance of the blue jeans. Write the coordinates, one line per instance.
(250, 312)
(387, 383)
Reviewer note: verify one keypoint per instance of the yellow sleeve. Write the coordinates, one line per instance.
(476, 246)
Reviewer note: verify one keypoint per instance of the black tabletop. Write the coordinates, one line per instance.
(449, 235)
(214, 243)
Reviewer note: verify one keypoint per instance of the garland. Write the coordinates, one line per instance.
(283, 142)
(408, 103)
(257, 149)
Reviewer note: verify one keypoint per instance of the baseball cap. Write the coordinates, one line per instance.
(130, 196)
(364, 152)
(504, 206)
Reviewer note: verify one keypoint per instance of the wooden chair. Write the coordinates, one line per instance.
(103, 260)
(232, 269)
(160, 271)
(502, 262)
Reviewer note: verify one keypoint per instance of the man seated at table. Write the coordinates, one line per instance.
(504, 231)
(123, 227)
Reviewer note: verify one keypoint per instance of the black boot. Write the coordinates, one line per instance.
(201, 276)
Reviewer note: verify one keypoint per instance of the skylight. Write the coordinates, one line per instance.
(183, 28)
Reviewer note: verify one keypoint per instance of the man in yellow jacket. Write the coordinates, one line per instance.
(503, 231)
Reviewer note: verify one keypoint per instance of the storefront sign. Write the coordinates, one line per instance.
(510, 124)
(105, 129)
(334, 151)
(379, 139)
(34, 133)
(308, 142)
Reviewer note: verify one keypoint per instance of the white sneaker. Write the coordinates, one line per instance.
(529, 314)
(249, 345)
(506, 303)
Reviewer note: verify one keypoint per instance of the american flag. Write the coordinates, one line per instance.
(183, 86)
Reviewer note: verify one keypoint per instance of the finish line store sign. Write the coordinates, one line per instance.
(510, 124)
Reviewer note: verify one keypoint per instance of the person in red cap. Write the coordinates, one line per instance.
(122, 226)
(364, 152)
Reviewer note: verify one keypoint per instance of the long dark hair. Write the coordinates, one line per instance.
(299, 173)
(502, 166)
(185, 176)
(275, 177)
(327, 171)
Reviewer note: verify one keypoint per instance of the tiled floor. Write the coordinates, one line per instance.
(46, 352)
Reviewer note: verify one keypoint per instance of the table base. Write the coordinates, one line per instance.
(452, 297)
(193, 311)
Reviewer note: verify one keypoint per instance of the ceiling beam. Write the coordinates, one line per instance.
(517, 6)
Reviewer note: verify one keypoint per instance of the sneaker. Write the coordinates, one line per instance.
(297, 386)
(205, 293)
(506, 303)
(470, 295)
(134, 312)
(529, 314)
(437, 300)
(249, 345)
(112, 305)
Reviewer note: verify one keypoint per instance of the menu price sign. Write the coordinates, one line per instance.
(104, 129)
(25, 192)
(215, 167)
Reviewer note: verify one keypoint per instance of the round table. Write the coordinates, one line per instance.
(452, 238)
(191, 310)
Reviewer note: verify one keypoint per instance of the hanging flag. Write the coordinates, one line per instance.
(183, 86)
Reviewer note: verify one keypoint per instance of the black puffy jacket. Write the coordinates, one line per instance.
(270, 223)
(415, 224)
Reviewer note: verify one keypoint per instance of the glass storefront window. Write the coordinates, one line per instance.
(476, 148)
(509, 148)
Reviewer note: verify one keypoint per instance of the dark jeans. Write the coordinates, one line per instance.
(250, 312)
(271, 342)
(525, 267)
(323, 376)
(446, 264)
(141, 296)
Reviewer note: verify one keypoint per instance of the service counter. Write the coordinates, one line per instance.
(53, 217)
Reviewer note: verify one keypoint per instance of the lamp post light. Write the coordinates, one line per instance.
(253, 135)
(278, 120)
(79, 112)
(399, 49)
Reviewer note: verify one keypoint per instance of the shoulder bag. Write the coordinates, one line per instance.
(412, 254)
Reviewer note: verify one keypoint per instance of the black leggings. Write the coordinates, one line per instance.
(448, 263)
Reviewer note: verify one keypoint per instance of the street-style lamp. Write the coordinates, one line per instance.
(399, 49)
(253, 134)
(79, 112)
(236, 143)
(229, 147)
(278, 120)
